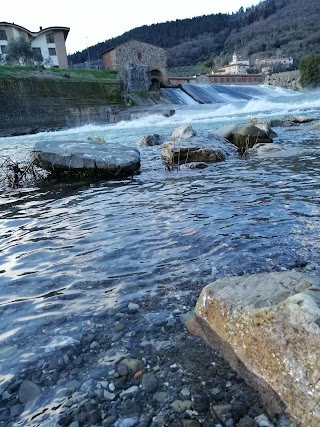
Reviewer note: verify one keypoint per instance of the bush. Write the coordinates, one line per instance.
(310, 70)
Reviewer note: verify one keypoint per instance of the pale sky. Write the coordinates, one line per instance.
(95, 21)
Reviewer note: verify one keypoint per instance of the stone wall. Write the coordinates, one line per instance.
(32, 105)
(136, 78)
(287, 79)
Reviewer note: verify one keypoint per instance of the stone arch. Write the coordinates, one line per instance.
(156, 78)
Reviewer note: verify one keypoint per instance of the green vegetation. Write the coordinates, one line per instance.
(78, 74)
(310, 70)
(19, 52)
(187, 70)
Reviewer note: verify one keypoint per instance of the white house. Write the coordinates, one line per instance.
(274, 61)
(47, 43)
(236, 66)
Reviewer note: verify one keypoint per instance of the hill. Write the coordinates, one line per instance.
(273, 27)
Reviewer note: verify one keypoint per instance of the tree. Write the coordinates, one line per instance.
(208, 66)
(19, 52)
(310, 70)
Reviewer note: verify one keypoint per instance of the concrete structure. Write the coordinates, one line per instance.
(138, 53)
(48, 44)
(223, 79)
(236, 66)
(230, 79)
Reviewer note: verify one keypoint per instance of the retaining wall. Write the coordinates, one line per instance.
(33, 105)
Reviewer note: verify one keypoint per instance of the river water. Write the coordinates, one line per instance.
(69, 253)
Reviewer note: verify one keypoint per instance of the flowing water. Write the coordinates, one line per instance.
(71, 252)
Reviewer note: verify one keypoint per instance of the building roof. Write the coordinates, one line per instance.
(36, 33)
(128, 41)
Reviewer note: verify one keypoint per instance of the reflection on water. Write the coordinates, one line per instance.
(70, 252)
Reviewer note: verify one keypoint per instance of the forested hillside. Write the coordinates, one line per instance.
(273, 27)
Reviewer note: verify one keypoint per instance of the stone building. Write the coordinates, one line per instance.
(141, 56)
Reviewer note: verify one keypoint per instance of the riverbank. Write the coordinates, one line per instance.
(35, 100)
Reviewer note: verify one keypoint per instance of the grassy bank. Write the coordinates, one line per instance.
(75, 74)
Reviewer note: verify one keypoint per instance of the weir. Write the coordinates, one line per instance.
(191, 94)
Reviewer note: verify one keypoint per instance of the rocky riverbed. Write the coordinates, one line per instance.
(134, 366)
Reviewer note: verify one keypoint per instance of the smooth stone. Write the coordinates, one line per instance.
(149, 383)
(263, 421)
(131, 390)
(119, 327)
(160, 396)
(127, 422)
(133, 306)
(108, 395)
(28, 391)
(181, 405)
(133, 365)
(185, 392)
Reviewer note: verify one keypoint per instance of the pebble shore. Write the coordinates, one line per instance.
(136, 365)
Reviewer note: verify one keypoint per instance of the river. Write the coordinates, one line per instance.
(72, 253)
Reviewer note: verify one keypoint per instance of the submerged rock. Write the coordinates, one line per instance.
(85, 159)
(266, 148)
(268, 327)
(196, 165)
(28, 391)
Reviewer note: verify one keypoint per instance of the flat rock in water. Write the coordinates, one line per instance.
(268, 327)
(86, 158)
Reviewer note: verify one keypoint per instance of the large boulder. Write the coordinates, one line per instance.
(85, 159)
(244, 136)
(268, 327)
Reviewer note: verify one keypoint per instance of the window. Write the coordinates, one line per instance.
(3, 35)
(52, 51)
(139, 56)
(37, 56)
(3, 49)
(50, 38)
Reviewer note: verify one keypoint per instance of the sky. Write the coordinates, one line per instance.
(95, 21)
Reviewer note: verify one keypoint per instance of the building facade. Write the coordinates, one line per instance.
(236, 66)
(48, 44)
(274, 61)
(138, 53)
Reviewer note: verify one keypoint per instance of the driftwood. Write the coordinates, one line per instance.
(16, 174)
